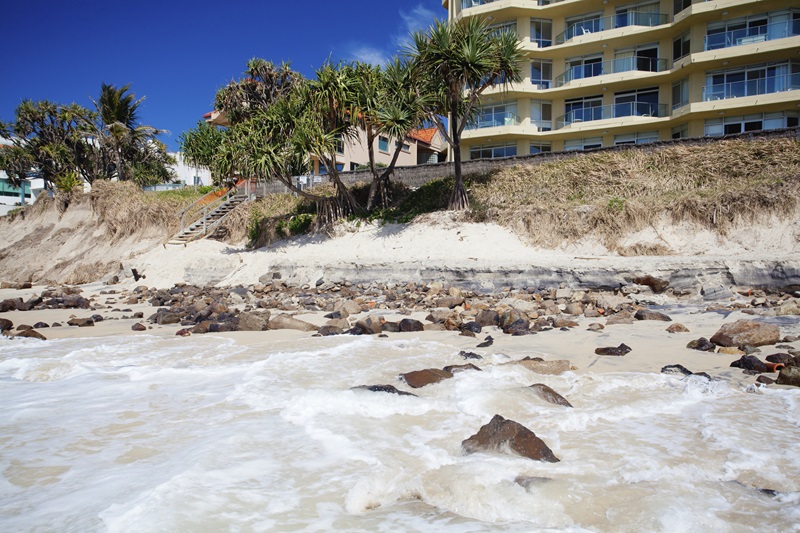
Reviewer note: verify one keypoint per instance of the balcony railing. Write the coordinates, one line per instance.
(465, 4)
(627, 109)
(623, 64)
(756, 34)
(493, 120)
(629, 18)
(737, 89)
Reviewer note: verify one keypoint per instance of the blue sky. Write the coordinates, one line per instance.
(178, 53)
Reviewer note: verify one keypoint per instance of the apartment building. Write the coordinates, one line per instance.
(609, 72)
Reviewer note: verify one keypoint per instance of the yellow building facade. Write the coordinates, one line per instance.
(608, 72)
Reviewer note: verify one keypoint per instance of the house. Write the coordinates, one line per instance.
(187, 174)
(12, 197)
(610, 72)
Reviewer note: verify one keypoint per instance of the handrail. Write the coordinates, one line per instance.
(492, 120)
(754, 34)
(753, 87)
(624, 109)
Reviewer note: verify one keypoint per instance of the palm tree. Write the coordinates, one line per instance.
(457, 62)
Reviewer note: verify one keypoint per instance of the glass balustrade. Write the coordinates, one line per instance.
(620, 20)
(755, 34)
(626, 109)
(623, 64)
(738, 89)
(493, 120)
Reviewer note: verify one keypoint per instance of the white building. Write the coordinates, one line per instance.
(188, 174)
(10, 196)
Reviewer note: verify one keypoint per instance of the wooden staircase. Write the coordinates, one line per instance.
(202, 217)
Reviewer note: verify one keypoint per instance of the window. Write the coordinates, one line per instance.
(578, 68)
(752, 29)
(680, 93)
(354, 166)
(680, 5)
(641, 103)
(756, 122)
(641, 15)
(583, 25)
(583, 109)
(510, 27)
(339, 144)
(499, 114)
(680, 132)
(383, 144)
(538, 147)
(640, 137)
(542, 114)
(643, 58)
(752, 80)
(323, 170)
(583, 144)
(493, 151)
(542, 73)
(406, 146)
(681, 46)
(542, 32)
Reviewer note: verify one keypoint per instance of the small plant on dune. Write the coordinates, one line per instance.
(616, 204)
(69, 182)
(300, 224)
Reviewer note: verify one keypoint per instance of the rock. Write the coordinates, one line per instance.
(622, 349)
(31, 334)
(202, 327)
(678, 328)
(518, 327)
(574, 308)
(139, 327)
(702, 344)
(511, 316)
(549, 395)
(11, 304)
(391, 389)
(408, 325)
(221, 327)
(469, 355)
(467, 333)
(420, 378)
(183, 332)
(435, 327)
(328, 330)
(24, 327)
(528, 482)
(284, 321)
(97, 318)
(544, 367)
(766, 380)
(164, 318)
(658, 285)
(371, 325)
(81, 322)
(748, 332)
(454, 369)
(561, 322)
(500, 435)
(781, 358)
(488, 317)
(449, 302)
(254, 320)
(440, 317)
(474, 327)
(390, 327)
(486, 343)
(750, 362)
(623, 317)
(41, 325)
(595, 326)
(676, 369)
(647, 314)
(789, 375)
(6, 324)
(348, 307)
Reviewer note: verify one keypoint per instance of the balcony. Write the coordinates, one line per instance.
(739, 89)
(627, 109)
(493, 120)
(629, 18)
(756, 34)
(466, 4)
(624, 64)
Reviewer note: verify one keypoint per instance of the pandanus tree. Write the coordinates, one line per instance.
(389, 102)
(457, 62)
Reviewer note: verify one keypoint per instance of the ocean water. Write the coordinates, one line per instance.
(204, 434)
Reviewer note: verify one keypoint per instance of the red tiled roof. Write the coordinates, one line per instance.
(208, 115)
(425, 135)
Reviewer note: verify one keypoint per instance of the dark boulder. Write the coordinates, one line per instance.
(390, 327)
(781, 358)
(41, 325)
(449, 301)
(474, 327)
(658, 285)
(518, 327)
(678, 328)
(549, 395)
(622, 349)
(488, 317)
(391, 389)
(747, 332)
(327, 331)
(455, 369)
(139, 327)
(676, 369)
(469, 355)
(408, 325)
(371, 325)
(750, 362)
(81, 322)
(11, 304)
(702, 344)
(183, 332)
(22, 327)
(647, 314)
(420, 378)
(789, 375)
(31, 334)
(6, 324)
(500, 435)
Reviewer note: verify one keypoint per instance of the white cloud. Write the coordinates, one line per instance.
(418, 18)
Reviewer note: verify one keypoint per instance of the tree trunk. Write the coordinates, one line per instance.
(459, 201)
